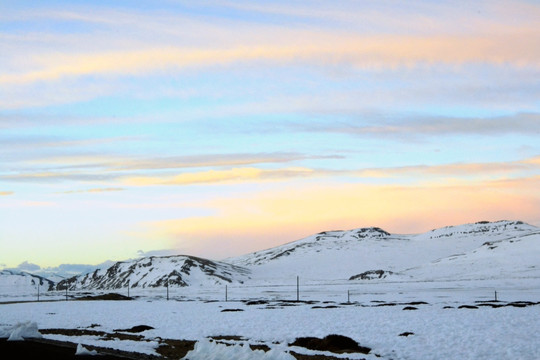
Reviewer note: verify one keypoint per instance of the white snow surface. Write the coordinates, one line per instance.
(20, 331)
(207, 350)
(484, 333)
(81, 350)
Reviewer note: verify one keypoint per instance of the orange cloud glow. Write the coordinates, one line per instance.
(96, 190)
(364, 51)
(217, 176)
(274, 217)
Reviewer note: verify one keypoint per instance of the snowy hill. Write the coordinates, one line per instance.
(22, 282)
(154, 271)
(480, 250)
(509, 254)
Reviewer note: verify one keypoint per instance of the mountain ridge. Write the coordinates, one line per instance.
(483, 249)
(156, 271)
(342, 254)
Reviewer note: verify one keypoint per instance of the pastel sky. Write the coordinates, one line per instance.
(216, 128)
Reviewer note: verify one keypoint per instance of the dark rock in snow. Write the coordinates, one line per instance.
(257, 302)
(334, 343)
(371, 275)
(407, 333)
(136, 329)
(110, 296)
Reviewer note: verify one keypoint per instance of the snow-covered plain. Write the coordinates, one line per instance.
(439, 333)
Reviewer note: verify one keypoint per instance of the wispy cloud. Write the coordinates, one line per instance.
(417, 172)
(234, 175)
(415, 17)
(369, 52)
(162, 252)
(228, 170)
(6, 193)
(140, 171)
(113, 163)
(96, 190)
(26, 266)
(55, 176)
(214, 160)
(500, 169)
(373, 37)
(17, 143)
(381, 126)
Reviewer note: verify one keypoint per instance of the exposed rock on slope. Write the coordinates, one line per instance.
(156, 271)
(371, 274)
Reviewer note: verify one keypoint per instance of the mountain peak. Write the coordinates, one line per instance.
(482, 227)
(370, 232)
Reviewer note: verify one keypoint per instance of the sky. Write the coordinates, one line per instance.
(217, 128)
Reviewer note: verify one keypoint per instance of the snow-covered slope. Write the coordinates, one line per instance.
(154, 271)
(507, 255)
(454, 252)
(22, 282)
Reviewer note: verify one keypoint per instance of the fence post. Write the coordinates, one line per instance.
(496, 295)
(38, 291)
(348, 297)
(167, 289)
(226, 294)
(297, 288)
(66, 292)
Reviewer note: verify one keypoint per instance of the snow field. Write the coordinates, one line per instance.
(439, 333)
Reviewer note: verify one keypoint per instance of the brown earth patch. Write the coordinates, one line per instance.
(338, 344)
(175, 349)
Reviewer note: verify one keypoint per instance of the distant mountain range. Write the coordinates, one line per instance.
(17, 281)
(480, 251)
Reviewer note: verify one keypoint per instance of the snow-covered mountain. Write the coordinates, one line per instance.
(480, 250)
(23, 282)
(511, 250)
(155, 271)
